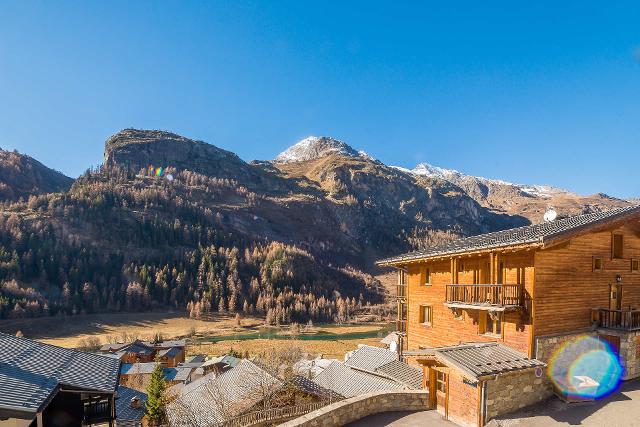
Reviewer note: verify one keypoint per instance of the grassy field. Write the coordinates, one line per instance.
(73, 331)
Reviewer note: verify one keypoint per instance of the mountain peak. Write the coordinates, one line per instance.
(315, 147)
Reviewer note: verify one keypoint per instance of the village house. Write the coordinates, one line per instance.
(137, 375)
(246, 394)
(44, 385)
(482, 315)
(169, 353)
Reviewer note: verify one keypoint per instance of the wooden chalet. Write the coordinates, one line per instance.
(529, 289)
(47, 386)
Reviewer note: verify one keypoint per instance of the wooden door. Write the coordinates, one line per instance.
(615, 297)
(615, 303)
(439, 389)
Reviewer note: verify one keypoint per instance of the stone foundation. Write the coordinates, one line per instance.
(510, 392)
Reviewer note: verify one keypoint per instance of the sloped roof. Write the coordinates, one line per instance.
(112, 346)
(124, 411)
(166, 344)
(30, 372)
(530, 234)
(411, 376)
(137, 347)
(197, 358)
(218, 398)
(349, 382)
(315, 389)
(180, 373)
(137, 368)
(169, 352)
(482, 359)
(370, 358)
(223, 360)
(391, 338)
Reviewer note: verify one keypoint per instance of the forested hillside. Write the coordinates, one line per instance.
(169, 222)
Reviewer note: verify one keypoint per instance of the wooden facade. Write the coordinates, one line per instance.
(514, 294)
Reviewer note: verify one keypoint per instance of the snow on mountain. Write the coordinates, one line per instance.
(455, 177)
(314, 147)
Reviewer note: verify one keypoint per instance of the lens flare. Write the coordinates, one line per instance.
(585, 368)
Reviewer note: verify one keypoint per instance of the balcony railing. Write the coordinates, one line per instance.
(485, 295)
(628, 320)
(97, 412)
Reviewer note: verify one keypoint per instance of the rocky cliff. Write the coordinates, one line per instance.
(23, 176)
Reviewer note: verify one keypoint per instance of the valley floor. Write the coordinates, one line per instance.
(215, 335)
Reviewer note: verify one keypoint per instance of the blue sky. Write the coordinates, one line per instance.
(546, 93)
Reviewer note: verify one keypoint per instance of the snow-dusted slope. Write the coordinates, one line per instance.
(458, 178)
(314, 147)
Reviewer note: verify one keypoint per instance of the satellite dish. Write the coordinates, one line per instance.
(550, 215)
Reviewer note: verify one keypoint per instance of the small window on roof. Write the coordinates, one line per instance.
(617, 244)
(635, 265)
(597, 264)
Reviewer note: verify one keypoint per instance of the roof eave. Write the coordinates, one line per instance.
(403, 260)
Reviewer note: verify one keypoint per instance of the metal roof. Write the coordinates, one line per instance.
(482, 359)
(31, 371)
(530, 234)
(349, 382)
(370, 358)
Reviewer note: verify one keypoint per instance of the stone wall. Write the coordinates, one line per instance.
(629, 351)
(629, 348)
(547, 345)
(355, 408)
(514, 390)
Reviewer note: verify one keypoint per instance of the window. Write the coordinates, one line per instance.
(425, 276)
(426, 315)
(597, 264)
(441, 382)
(635, 265)
(617, 243)
(491, 323)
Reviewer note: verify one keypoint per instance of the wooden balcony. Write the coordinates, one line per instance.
(487, 297)
(626, 320)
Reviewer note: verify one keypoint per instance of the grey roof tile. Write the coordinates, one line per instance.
(30, 371)
(529, 234)
(349, 382)
(370, 358)
(486, 358)
(215, 399)
(411, 376)
(124, 411)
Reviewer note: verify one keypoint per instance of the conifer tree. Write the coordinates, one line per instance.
(156, 399)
